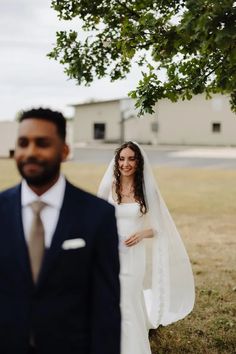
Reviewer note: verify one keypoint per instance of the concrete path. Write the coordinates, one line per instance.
(175, 156)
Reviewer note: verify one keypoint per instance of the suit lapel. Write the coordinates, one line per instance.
(17, 233)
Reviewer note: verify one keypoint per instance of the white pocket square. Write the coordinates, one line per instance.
(73, 243)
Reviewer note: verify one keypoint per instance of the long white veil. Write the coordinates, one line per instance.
(169, 285)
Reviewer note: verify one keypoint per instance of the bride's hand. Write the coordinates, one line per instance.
(134, 239)
(137, 237)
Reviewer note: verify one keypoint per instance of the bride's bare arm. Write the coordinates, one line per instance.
(139, 236)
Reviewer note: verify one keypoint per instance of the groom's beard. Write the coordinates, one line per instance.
(38, 173)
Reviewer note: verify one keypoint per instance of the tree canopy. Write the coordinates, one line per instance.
(183, 47)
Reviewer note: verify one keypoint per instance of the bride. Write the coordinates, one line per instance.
(157, 286)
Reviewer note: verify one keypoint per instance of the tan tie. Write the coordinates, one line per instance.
(36, 239)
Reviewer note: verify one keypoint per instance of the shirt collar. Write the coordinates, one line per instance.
(53, 197)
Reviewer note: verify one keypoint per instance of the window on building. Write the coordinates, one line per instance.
(11, 153)
(99, 130)
(216, 127)
(154, 127)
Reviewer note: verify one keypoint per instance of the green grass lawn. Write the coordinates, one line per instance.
(203, 204)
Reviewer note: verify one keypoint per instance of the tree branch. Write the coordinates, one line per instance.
(131, 11)
(206, 75)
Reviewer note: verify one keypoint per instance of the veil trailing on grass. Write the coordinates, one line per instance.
(169, 285)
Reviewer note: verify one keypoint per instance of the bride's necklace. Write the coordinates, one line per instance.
(127, 193)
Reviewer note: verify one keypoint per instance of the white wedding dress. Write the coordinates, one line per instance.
(134, 325)
(165, 277)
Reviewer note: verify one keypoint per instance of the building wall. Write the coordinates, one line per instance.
(142, 129)
(110, 113)
(8, 133)
(181, 123)
(190, 122)
(102, 112)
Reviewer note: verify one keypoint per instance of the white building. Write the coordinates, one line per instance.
(111, 121)
(195, 122)
(8, 133)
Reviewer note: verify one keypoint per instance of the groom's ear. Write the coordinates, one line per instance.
(65, 152)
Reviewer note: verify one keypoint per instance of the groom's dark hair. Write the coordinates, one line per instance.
(47, 114)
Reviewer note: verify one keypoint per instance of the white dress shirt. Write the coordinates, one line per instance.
(50, 213)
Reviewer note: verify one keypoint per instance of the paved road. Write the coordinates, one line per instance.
(204, 157)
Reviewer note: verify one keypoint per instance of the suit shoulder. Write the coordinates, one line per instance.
(8, 198)
(91, 199)
(8, 193)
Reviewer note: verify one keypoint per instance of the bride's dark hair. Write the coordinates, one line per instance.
(138, 176)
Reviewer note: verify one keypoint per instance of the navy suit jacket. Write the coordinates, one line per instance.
(74, 307)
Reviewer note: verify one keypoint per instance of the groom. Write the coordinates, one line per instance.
(59, 267)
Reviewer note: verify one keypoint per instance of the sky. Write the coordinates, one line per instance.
(28, 78)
